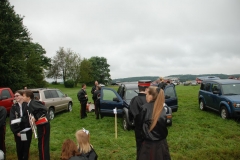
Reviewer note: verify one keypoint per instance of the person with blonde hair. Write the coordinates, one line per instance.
(154, 129)
(69, 151)
(84, 147)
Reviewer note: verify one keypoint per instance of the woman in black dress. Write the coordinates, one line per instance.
(154, 129)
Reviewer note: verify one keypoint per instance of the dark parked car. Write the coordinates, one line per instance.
(221, 95)
(121, 99)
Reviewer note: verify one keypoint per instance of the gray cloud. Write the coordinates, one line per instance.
(149, 38)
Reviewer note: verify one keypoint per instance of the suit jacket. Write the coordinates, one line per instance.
(81, 95)
(15, 113)
(38, 110)
(3, 116)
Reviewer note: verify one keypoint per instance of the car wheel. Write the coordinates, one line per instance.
(51, 113)
(69, 107)
(125, 123)
(202, 105)
(224, 113)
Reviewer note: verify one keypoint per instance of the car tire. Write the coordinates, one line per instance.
(224, 113)
(69, 107)
(51, 113)
(126, 126)
(202, 105)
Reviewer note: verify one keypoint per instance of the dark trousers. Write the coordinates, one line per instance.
(23, 146)
(83, 113)
(97, 108)
(138, 139)
(2, 139)
(43, 141)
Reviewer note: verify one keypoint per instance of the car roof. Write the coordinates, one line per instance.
(223, 81)
(130, 85)
(37, 89)
(208, 77)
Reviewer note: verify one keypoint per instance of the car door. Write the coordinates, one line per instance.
(171, 97)
(55, 100)
(214, 100)
(110, 100)
(7, 102)
(63, 101)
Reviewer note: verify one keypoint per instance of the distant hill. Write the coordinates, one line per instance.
(182, 77)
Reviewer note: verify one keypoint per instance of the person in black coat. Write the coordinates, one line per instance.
(3, 116)
(39, 112)
(135, 108)
(96, 97)
(83, 98)
(154, 129)
(20, 110)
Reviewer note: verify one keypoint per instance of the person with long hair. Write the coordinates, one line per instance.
(154, 128)
(20, 110)
(69, 151)
(84, 147)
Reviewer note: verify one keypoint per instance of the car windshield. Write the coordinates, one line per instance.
(231, 89)
(130, 94)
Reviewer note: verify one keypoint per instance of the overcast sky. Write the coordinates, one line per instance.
(140, 38)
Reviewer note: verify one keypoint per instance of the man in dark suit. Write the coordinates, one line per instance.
(39, 111)
(135, 109)
(3, 116)
(96, 97)
(83, 98)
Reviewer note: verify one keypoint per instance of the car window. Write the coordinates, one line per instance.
(60, 94)
(231, 89)
(6, 93)
(207, 87)
(108, 95)
(215, 87)
(54, 93)
(47, 94)
(130, 94)
(36, 95)
(169, 92)
(202, 86)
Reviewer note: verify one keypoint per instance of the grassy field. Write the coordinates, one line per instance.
(195, 134)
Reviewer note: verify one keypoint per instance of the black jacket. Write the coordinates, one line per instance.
(15, 113)
(92, 155)
(160, 131)
(38, 110)
(81, 95)
(96, 94)
(3, 116)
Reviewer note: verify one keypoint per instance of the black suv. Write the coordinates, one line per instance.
(222, 95)
(121, 100)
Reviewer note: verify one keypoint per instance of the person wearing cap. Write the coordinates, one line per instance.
(135, 109)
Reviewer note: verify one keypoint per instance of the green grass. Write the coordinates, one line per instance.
(195, 134)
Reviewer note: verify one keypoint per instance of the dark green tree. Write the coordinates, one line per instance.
(16, 50)
(100, 69)
(85, 72)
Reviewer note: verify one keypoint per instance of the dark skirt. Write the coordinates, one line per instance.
(154, 150)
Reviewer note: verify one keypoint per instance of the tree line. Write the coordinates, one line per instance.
(24, 63)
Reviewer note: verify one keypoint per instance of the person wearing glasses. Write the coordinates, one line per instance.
(19, 111)
(84, 147)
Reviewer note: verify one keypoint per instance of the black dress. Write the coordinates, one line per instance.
(154, 146)
(21, 146)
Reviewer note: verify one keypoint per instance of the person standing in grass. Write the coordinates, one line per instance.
(84, 147)
(154, 129)
(83, 98)
(135, 108)
(3, 116)
(20, 110)
(39, 112)
(94, 88)
(96, 97)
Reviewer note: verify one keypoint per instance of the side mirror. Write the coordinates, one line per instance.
(116, 99)
(216, 92)
(66, 95)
